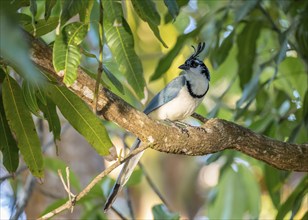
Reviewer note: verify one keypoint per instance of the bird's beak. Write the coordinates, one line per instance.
(184, 67)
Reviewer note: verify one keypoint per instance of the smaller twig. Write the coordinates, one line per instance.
(87, 189)
(67, 187)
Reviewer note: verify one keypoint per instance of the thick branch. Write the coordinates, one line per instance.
(215, 135)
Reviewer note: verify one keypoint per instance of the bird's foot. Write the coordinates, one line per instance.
(179, 125)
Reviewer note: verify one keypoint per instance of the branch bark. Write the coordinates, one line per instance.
(213, 136)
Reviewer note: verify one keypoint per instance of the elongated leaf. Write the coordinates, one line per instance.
(221, 53)
(42, 26)
(66, 55)
(120, 40)
(22, 126)
(81, 118)
(173, 8)
(113, 79)
(298, 193)
(247, 43)
(8, 145)
(49, 4)
(30, 98)
(50, 113)
(233, 188)
(245, 8)
(85, 12)
(161, 212)
(16, 54)
(33, 7)
(181, 3)
(166, 61)
(71, 8)
(148, 12)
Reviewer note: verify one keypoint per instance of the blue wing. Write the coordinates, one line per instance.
(167, 94)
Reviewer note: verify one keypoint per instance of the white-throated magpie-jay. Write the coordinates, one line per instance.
(177, 101)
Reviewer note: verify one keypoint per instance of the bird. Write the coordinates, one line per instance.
(177, 101)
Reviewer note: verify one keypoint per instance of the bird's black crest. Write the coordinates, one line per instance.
(199, 49)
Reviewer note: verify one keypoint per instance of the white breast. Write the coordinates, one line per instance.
(179, 108)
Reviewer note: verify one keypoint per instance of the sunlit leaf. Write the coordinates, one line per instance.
(81, 118)
(161, 212)
(66, 54)
(42, 26)
(173, 8)
(247, 43)
(120, 40)
(22, 126)
(147, 12)
(49, 4)
(8, 145)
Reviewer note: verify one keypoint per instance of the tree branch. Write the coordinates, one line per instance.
(213, 136)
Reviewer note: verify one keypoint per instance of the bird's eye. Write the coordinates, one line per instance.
(193, 64)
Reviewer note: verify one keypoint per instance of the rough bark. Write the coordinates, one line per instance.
(213, 136)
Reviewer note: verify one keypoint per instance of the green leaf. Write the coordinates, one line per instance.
(16, 54)
(113, 79)
(245, 9)
(247, 43)
(173, 8)
(85, 12)
(54, 164)
(30, 98)
(298, 193)
(8, 145)
(50, 113)
(221, 53)
(22, 126)
(148, 12)
(66, 54)
(161, 212)
(49, 4)
(235, 187)
(33, 7)
(81, 118)
(120, 40)
(42, 26)
(54, 205)
(181, 3)
(70, 8)
(135, 178)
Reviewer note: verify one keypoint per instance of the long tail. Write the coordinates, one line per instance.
(124, 175)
